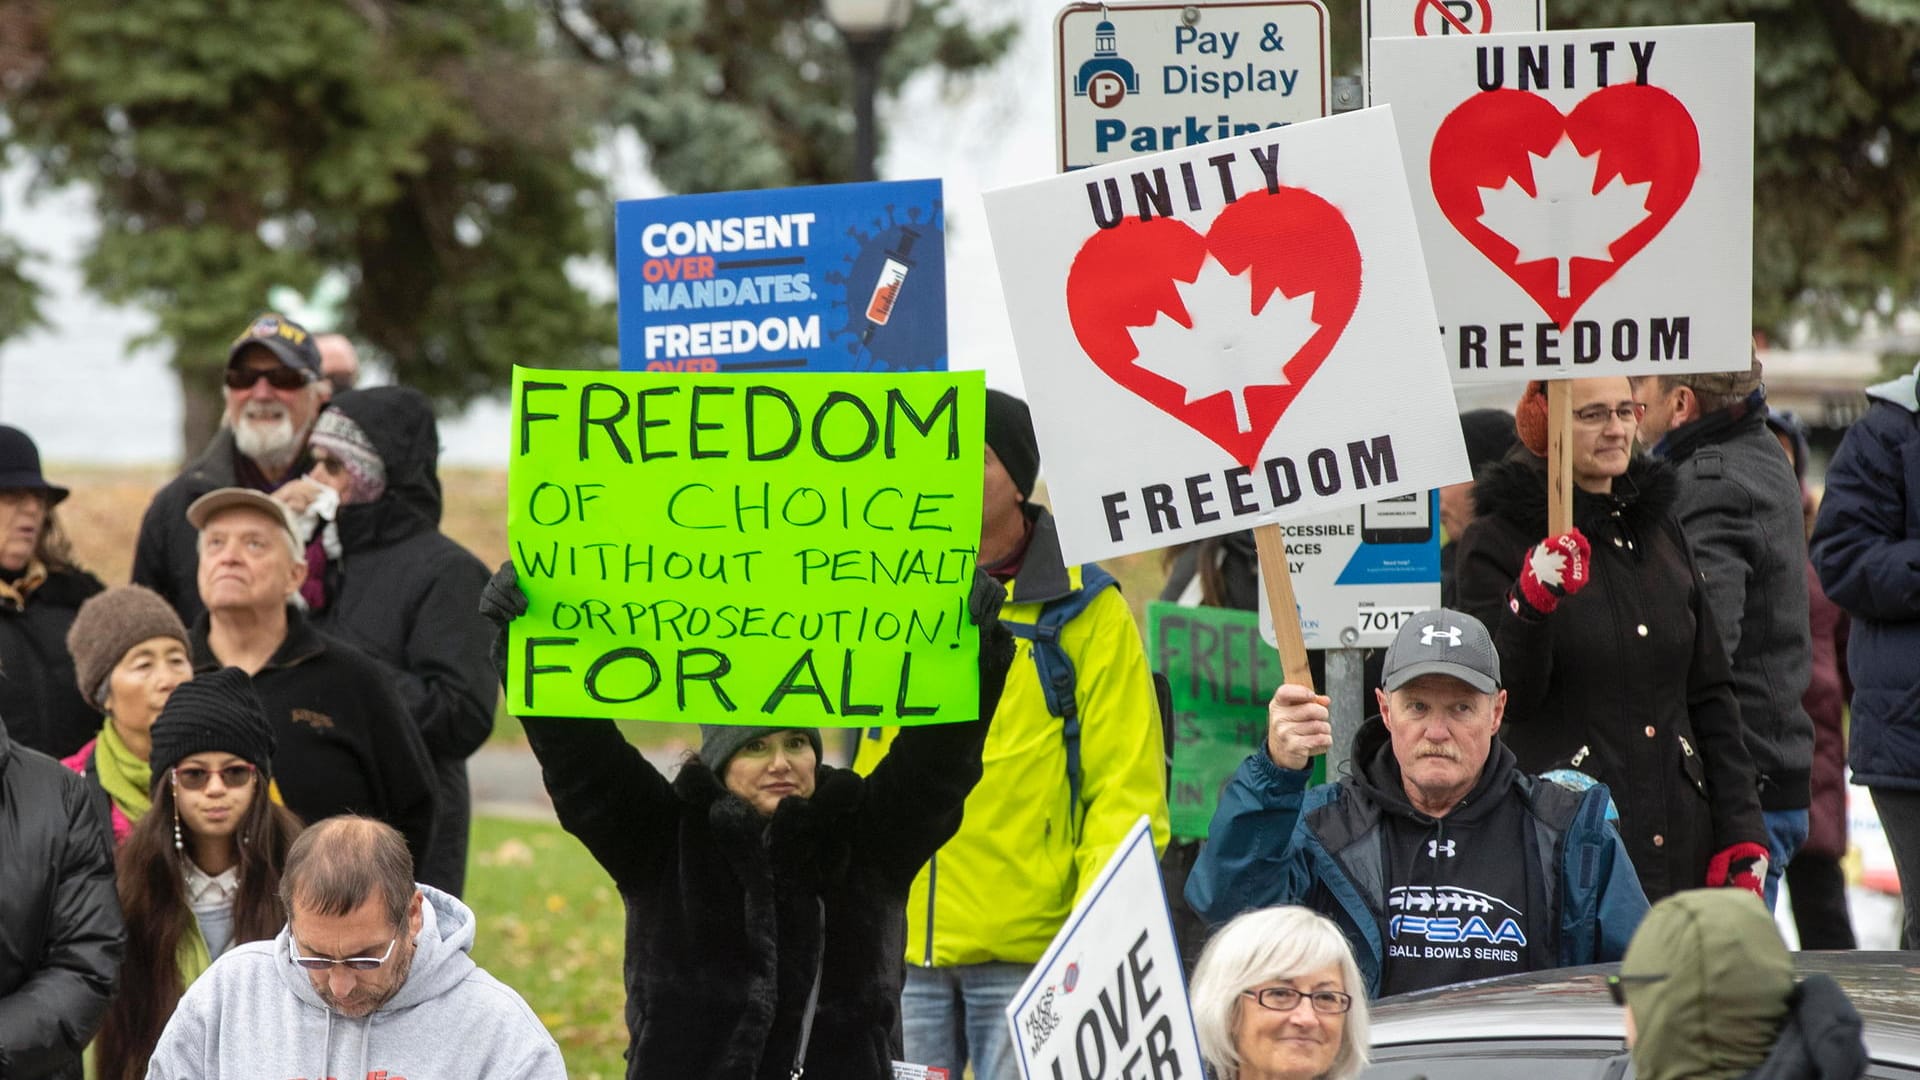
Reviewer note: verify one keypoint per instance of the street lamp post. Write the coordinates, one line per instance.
(868, 27)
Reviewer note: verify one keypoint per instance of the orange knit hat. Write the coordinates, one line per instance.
(1530, 417)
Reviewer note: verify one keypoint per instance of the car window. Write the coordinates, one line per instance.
(1504, 1059)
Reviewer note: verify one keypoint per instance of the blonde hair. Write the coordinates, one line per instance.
(1262, 946)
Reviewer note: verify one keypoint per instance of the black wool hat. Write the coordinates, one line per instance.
(1010, 437)
(719, 742)
(20, 465)
(216, 713)
(1490, 434)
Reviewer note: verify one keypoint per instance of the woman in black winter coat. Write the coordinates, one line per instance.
(385, 579)
(1612, 665)
(765, 892)
(40, 593)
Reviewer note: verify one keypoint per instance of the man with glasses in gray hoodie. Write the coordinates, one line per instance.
(370, 978)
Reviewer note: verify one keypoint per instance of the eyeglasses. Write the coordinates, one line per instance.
(355, 963)
(279, 376)
(1617, 985)
(1285, 998)
(194, 778)
(1597, 415)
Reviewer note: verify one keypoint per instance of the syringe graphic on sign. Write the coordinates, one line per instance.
(886, 291)
(1561, 202)
(1220, 331)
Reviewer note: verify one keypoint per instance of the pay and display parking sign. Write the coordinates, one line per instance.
(1140, 78)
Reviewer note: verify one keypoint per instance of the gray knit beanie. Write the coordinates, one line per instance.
(719, 742)
(110, 624)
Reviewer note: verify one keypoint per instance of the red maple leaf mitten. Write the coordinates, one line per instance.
(1742, 866)
(1555, 569)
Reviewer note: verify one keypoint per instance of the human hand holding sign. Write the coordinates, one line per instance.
(1298, 727)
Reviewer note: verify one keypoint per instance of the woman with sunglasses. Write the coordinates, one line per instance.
(129, 653)
(200, 872)
(1613, 665)
(1276, 996)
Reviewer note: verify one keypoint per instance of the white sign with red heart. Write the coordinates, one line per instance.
(1226, 335)
(1585, 197)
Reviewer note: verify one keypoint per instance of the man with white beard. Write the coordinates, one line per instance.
(274, 390)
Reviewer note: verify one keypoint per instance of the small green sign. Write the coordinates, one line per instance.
(1222, 675)
(747, 549)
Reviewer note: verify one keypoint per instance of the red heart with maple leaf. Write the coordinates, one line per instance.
(1285, 239)
(1642, 134)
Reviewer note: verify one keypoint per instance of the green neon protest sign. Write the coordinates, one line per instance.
(1222, 675)
(749, 549)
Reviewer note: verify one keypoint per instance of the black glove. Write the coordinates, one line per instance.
(996, 641)
(501, 602)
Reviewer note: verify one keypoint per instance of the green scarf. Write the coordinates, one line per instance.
(125, 777)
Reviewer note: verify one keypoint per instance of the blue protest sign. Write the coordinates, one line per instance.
(840, 277)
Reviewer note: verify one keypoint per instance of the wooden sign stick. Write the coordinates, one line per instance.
(1559, 457)
(1271, 544)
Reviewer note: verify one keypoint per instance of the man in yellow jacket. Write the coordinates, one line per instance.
(1058, 793)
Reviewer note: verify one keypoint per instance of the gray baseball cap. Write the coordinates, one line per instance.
(1442, 642)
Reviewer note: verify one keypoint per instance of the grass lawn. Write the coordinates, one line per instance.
(552, 927)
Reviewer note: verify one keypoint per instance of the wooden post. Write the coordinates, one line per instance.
(1559, 457)
(1271, 544)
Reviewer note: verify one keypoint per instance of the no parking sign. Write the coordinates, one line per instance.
(1442, 18)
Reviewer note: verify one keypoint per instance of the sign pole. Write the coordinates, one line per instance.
(1347, 708)
(1271, 544)
(1559, 457)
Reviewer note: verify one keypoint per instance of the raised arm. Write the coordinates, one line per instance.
(604, 791)
(1252, 857)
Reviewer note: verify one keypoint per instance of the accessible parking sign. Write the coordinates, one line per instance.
(1141, 78)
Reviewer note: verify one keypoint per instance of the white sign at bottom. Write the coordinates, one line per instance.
(1108, 998)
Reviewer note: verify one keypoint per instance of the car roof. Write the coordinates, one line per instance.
(1573, 1003)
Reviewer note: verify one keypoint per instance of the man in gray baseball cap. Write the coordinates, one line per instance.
(1438, 856)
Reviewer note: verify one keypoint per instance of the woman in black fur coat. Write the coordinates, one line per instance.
(1611, 663)
(765, 892)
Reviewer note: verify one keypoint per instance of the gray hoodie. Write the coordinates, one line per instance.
(254, 1016)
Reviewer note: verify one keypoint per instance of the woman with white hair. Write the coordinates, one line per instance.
(1277, 996)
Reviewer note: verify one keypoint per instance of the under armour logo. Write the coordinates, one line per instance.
(1435, 849)
(1430, 634)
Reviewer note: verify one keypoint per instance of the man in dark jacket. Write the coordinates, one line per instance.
(60, 929)
(274, 391)
(1414, 856)
(1739, 505)
(346, 743)
(1866, 546)
(393, 586)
